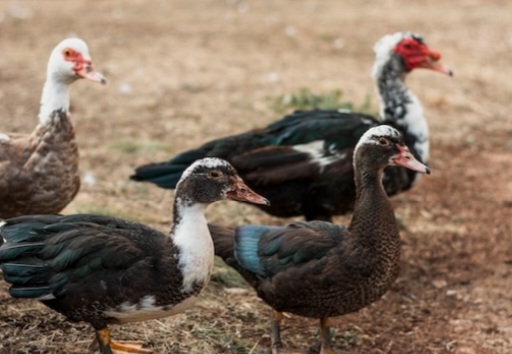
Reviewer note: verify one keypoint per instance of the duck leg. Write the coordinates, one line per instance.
(324, 346)
(325, 336)
(275, 336)
(108, 346)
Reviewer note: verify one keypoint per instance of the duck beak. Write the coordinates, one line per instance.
(431, 61)
(86, 71)
(241, 192)
(406, 159)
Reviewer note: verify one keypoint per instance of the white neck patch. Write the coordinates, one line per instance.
(55, 97)
(59, 76)
(417, 125)
(192, 237)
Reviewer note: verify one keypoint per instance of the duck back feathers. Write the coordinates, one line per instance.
(124, 254)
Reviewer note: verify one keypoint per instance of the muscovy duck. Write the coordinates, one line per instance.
(39, 171)
(105, 270)
(303, 162)
(320, 270)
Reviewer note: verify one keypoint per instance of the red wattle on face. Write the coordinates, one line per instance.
(415, 54)
(75, 57)
(418, 55)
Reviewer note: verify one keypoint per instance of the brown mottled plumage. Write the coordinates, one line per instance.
(318, 269)
(39, 171)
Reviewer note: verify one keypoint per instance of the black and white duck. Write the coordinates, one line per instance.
(303, 162)
(39, 171)
(104, 270)
(318, 269)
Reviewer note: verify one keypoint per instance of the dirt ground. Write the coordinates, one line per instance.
(183, 72)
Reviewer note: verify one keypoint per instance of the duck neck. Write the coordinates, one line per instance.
(55, 127)
(55, 98)
(400, 108)
(191, 236)
(373, 222)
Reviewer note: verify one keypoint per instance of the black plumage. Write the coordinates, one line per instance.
(105, 270)
(303, 162)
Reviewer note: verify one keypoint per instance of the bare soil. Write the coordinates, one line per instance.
(183, 72)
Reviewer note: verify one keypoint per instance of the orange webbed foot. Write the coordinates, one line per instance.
(129, 347)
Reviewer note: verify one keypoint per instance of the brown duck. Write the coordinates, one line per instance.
(318, 269)
(105, 270)
(39, 171)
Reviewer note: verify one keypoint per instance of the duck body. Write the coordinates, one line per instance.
(115, 271)
(303, 162)
(39, 171)
(317, 258)
(105, 270)
(318, 269)
(38, 167)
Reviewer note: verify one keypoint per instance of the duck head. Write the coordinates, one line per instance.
(70, 60)
(212, 179)
(410, 51)
(383, 146)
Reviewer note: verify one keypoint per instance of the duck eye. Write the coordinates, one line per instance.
(407, 46)
(383, 142)
(214, 174)
(67, 53)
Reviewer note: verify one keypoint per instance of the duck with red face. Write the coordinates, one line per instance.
(303, 162)
(39, 171)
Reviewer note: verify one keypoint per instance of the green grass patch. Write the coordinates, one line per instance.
(400, 220)
(304, 99)
(131, 147)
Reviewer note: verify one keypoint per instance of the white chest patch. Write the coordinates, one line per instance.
(193, 239)
(145, 310)
(4, 138)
